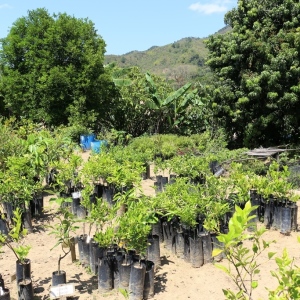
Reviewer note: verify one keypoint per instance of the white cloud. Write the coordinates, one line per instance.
(216, 6)
(2, 6)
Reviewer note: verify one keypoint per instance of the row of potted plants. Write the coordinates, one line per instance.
(127, 217)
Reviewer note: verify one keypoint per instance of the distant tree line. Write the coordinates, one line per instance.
(52, 71)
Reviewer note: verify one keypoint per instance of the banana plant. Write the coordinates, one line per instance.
(162, 105)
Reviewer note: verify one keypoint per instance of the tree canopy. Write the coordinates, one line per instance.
(258, 70)
(52, 70)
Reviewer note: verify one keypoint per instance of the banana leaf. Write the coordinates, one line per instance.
(157, 102)
(175, 95)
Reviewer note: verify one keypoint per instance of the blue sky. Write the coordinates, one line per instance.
(127, 25)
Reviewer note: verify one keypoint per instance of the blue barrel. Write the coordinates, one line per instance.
(85, 141)
(96, 146)
(91, 138)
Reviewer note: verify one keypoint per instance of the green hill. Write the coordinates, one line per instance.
(181, 61)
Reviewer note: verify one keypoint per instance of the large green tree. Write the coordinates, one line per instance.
(52, 70)
(257, 68)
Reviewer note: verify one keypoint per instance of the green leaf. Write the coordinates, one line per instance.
(254, 284)
(216, 252)
(223, 268)
(255, 248)
(175, 95)
(271, 254)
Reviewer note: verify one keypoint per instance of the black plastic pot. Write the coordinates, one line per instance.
(164, 182)
(81, 212)
(25, 289)
(5, 292)
(187, 257)
(157, 187)
(37, 205)
(254, 198)
(255, 201)
(69, 187)
(207, 247)
(294, 216)
(93, 199)
(158, 178)
(148, 292)
(168, 235)
(83, 249)
(105, 274)
(3, 226)
(75, 205)
(23, 270)
(8, 209)
(172, 178)
(26, 220)
(286, 220)
(161, 182)
(108, 194)
(98, 191)
(93, 246)
(214, 166)
(261, 209)
(59, 278)
(277, 214)
(179, 244)
(153, 251)
(124, 274)
(5, 295)
(137, 281)
(148, 171)
(86, 251)
(158, 184)
(269, 213)
(117, 262)
(51, 177)
(144, 172)
(157, 230)
(196, 251)
(96, 252)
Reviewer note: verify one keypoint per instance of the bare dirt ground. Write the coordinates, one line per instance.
(175, 279)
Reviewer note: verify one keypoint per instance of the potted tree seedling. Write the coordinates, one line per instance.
(23, 266)
(64, 232)
(100, 214)
(106, 248)
(134, 228)
(68, 182)
(19, 186)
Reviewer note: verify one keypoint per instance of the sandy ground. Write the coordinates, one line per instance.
(175, 279)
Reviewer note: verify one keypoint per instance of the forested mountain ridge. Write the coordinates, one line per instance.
(181, 60)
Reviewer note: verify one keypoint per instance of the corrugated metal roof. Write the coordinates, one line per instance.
(265, 152)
